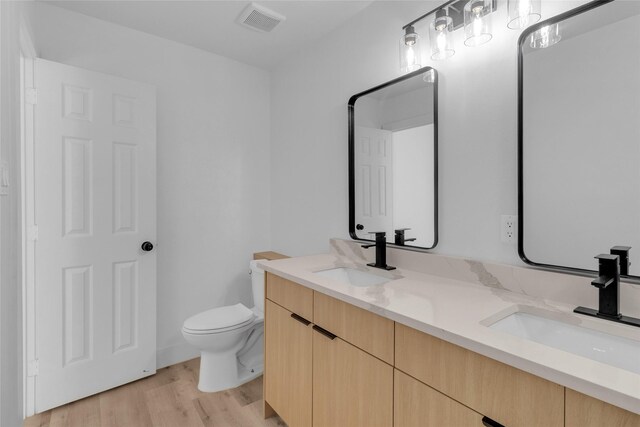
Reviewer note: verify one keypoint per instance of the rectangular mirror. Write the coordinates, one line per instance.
(579, 137)
(393, 161)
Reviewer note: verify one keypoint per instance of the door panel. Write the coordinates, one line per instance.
(374, 164)
(95, 203)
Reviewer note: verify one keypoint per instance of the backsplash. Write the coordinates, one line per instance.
(565, 288)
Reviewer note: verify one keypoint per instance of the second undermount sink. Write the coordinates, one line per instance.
(611, 349)
(353, 277)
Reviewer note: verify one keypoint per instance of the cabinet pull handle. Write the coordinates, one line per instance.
(324, 332)
(300, 319)
(488, 422)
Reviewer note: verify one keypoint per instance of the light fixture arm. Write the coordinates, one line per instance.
(431, 12)
(454, 10)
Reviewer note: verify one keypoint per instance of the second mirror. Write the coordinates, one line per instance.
(393, 166)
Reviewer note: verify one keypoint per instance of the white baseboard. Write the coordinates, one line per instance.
(175, 354)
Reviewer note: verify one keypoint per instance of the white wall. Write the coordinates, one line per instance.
(477, 138)
(213, 159)
(10, 293)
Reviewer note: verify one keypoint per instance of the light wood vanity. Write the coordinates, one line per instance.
(331, 364)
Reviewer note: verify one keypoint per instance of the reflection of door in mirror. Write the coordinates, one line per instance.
(375, 186)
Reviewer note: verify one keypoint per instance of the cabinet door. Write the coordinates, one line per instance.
(505, 394)
(585, 411)
(288, 367)
(418, 405)
(351, 388)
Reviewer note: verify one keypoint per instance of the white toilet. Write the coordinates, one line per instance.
(230, 339)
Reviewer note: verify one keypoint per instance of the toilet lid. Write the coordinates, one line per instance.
(219, 318)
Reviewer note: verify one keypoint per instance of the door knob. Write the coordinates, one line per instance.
(147, 246)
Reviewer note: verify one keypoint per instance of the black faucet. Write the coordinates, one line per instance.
(400, 240)
(381, 251)
(623, 253)
(608, 284)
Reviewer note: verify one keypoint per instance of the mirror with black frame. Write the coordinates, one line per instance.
(579, 137)
(393, 161)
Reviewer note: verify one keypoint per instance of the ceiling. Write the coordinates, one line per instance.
(211, 25)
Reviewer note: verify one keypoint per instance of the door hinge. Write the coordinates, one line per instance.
(33, 368)
(32, 234)
(31, 95)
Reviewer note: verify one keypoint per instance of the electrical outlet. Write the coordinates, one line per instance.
(509, 228)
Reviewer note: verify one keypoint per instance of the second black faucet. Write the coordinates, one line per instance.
(381, 251)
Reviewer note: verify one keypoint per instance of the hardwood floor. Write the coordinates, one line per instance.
(168, 399)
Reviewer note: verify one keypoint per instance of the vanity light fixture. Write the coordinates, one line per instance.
(546, 36)
(523, 13)
(477, 22)
(473, 15)
(410, 50)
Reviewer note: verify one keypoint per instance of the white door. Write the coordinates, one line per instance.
(95, 203)
(374, 181)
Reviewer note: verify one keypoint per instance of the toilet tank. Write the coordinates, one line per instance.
(257, 285)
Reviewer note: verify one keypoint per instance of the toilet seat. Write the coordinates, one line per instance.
(220, 319)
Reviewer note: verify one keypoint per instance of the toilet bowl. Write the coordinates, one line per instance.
(230, 340)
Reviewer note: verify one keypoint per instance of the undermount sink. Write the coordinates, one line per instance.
(614, 350)
(353, 277)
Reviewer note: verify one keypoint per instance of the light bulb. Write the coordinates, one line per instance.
(546, 36)
(411, 56)
(524, 9)
(523, 13)
(477, 25)
(441, 41)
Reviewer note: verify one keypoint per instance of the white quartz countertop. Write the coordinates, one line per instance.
(458, 312)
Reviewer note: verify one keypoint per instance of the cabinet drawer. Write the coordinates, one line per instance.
(290, 295)
(585, 411)
(418, 405)
(507, 395)
(368, 331)
(351, 388)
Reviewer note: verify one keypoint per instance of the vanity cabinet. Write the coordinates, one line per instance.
(350, 387)
(585, 411)
(331, 364)
(505, 394)
(288, 368)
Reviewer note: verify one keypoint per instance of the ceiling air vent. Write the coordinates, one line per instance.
(260, 18)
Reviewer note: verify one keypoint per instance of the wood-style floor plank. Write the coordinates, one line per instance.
(124, 407)
(168, 399)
